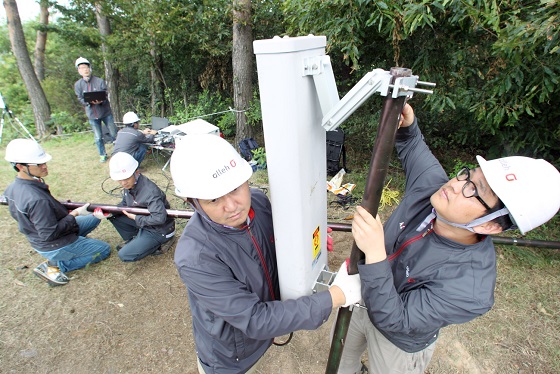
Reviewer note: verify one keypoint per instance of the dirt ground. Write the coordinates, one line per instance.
(116, 317)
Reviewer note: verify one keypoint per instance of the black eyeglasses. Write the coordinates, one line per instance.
(469, 189)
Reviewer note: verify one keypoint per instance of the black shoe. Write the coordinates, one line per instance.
(164, 248)
(168, 244)
(364, 369)
(51, 274)
(157, 252)
(119, 246)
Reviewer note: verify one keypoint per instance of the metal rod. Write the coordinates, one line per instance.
(113, 209)
(382, 150)
(346, 227)
(403, 88)
(429, 84)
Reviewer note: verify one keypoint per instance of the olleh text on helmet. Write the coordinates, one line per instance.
(225, 169)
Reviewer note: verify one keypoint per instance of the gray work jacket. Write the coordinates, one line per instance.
(232, 281)
(129, 139)
(427, 282)
(93, 111)
(146, 194)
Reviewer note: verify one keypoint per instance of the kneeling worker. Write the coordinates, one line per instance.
(55, 234)
(144, 235)
(131, 140)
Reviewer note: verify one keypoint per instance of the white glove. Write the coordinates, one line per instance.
(82, 211)
(99, 214)
(350, 285)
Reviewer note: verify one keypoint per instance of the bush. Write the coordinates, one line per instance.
(211, 107)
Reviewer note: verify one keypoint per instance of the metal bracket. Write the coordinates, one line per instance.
(324, 280)
(320, 68)
(336, 111)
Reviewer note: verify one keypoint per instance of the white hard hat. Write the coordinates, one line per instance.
(130, 118)
(26, 151)
(205, 166)
(82, 60)
(122, 166)
(529, 188)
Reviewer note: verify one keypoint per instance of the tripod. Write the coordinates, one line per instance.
(8, 113)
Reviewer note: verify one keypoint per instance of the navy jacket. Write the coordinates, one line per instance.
(427, 281)
(236, 311)
(41, 218)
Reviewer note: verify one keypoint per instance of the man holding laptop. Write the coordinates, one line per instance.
(92, 94)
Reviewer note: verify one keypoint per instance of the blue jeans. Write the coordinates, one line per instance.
(140, 153)
(83, 251)
(98, 134)
(141, 243)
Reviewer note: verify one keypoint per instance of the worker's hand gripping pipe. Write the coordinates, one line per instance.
(382, 150)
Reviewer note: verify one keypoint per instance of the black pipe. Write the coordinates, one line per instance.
(346, 227)
(381, 155)
(335, 226)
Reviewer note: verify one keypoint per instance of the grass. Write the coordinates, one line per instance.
(98, 309)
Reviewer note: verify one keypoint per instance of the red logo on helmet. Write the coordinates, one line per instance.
(233, 163)
(511, 177)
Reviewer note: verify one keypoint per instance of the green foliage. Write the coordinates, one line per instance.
(259, 156)
(496, 64)
(69, 123)
(227, 124)
(254, 114)
(459, 164)
(211, 107)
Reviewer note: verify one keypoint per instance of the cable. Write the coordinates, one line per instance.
(345, 201)
(224, 111)
(283, 343)
(111, 192)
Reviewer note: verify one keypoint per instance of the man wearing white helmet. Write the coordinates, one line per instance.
(131, 140)
(433, 263)
(143, 234)
(98, 111)
(227, 259)
(54, 233)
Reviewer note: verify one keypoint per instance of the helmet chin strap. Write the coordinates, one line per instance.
(196, 205)
(466, 226)
(39, 179)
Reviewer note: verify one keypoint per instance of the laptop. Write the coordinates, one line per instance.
(159, 123)
(95, 96)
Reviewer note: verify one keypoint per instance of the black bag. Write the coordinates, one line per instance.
(246, 146)
(335, 151)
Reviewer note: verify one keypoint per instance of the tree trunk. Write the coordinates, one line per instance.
(242, 61)
(41, 41)
(153, 77)
(111, 75)
(39, 103)
(159, 103)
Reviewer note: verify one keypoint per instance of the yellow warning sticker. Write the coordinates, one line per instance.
(316, 243)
